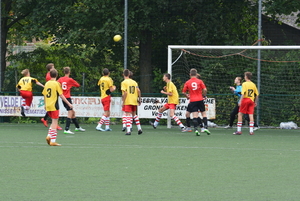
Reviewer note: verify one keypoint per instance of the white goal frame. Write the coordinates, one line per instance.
(258, 48)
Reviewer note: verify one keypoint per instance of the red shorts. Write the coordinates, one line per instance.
(170, 106)
(247, 106)
(130, 108)
(123, 108)
(53, 114)
(27, 95)
(106, 103)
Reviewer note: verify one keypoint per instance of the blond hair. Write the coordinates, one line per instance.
(25, 72)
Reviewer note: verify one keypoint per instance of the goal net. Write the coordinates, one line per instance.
(276, 73)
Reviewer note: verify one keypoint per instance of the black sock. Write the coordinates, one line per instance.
(46, 116)
(76, 123)
(195, 121)
(188, 122)
(200, 122)
(205, 122)
(68, 122)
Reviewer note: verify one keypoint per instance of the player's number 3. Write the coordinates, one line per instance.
(48, 93)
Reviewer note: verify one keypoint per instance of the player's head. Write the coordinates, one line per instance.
(53, 73)
(130, 74)
(238, 80)
(105, 71)
(198, 76)
(49, 66)
(25, 72)
(67, 70)
(166, 77)
(248, 75)
(193, 72)
(126, 73)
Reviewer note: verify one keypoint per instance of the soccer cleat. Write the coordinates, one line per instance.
(237, 133)
(202, 130)
(99, 129)
(79, 129)
(207, 131)
(197, 133)
(140, 132)
(45, 122)
(128, 133)
(228, 126)
(59, 128)
(54, 144)
(251, 133)
(187, 129)
(152, 124)
(22, 111)
(68, 132)
(124, 129)
(108, 129)
(48, 139)
(255, 128)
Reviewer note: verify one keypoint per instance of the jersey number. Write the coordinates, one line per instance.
(48, 93)
(25, 81)
(194, 86)
(131, 89)
(64, 86)
(250, 92)
(102, 85)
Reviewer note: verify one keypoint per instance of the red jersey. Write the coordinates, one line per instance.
(194, 86)
(48, 77)
(66, 84)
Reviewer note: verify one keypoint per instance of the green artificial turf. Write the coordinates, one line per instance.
(160, 164)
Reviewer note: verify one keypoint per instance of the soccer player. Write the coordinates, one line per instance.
(106, 85)
(25, 88)
(173, 99)
(66, 84)
(44, 120)
(131, 98)
(238, 92)
(247, 103)
(51, 92)
(197, 91)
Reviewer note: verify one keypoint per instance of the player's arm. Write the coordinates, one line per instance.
(65, 100)
(40, 84)
(75, 84)
(139, 95)
(167, 93)
(124, 96)
(204, 92)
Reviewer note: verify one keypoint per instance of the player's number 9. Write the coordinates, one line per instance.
(194, 86)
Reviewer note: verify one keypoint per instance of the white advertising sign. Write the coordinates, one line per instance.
(92, 107)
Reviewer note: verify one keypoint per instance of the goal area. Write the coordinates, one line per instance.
(275, 69)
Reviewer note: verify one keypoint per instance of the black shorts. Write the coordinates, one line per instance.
(196, 106)
(66, 105)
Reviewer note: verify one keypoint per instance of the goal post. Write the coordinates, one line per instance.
(277, 79)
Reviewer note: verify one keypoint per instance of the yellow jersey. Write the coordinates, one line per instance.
(25, 83)
(249, 90)
(171, 88)
(130, 86)
(51, 92)
(105, 82)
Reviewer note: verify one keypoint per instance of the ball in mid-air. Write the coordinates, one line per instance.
(117, 38)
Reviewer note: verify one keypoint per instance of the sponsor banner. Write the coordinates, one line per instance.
(92, 107)
(84, 106)
(149, 108)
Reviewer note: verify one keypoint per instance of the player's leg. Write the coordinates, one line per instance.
(174, 117)
(44, 119)
(137, 122)
(188, 121)
(159, 115)
(195, 122)
(52, 130)
(107, 121)
(123, 120)
(250, 112)
(106, 106)
(75, 121)
(201, 108)
(128, 110)
(233, 114)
